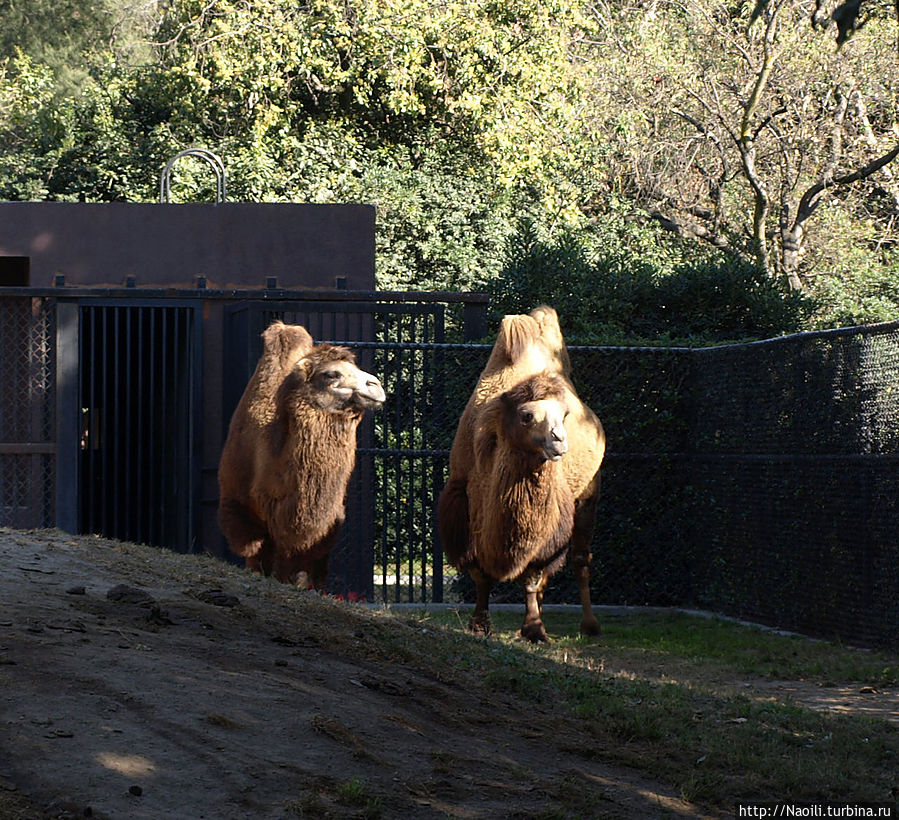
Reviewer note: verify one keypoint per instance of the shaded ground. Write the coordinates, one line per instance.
(135, 683)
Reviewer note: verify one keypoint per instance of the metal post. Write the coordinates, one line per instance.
(68, 415)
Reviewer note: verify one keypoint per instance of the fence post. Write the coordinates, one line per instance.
(475, 321)
(68, 415)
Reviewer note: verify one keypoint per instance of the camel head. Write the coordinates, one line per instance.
(331, 381)
(534, 416)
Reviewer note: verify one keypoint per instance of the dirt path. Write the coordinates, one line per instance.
(135, 683)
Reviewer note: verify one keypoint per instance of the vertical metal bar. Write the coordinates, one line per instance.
(86, 409)
(395, 422)
(437, 402)
(182, 422)
(98, 357)
(397, 427)
(93, 479)
(383, 506)
(162, 459)
(386, 515)
(68, 416)
(127, 434)
(174, 473)
(141, 438)
(411, 424)
(150, 399)
(181, 416)
(196, 409)
(117, 498)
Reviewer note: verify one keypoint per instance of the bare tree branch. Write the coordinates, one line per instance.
(811, 199)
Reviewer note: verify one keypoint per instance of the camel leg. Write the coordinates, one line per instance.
(534, 583)
(581, 558)
(285, 566)
(318, 567)
(245, 534)
(480, 619)
(319, 573)
(261, 561)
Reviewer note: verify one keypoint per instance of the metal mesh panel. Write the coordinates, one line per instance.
(763, 484)
(813, 394)
(27, 490)
(27, 371)
(756, 480)
(795, 483)
(427, 388)
(27, 413)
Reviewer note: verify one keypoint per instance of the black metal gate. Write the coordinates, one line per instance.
(109, 390)
(135, 403)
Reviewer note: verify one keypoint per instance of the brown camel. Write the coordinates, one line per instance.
(538, 530)
(290, 450)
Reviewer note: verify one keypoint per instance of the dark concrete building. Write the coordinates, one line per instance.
(128, 332)
(232, 245)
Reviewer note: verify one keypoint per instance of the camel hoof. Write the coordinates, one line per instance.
(534, 632)
(480, 624)
(590, 627)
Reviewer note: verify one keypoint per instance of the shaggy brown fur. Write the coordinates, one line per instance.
(290, 450)
(505, 513)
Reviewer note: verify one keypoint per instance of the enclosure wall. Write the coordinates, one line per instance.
(760, 480)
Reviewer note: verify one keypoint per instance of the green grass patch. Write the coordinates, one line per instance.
(705, 641)
(661, 693)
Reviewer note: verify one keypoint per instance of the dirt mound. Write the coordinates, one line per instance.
(136, 683)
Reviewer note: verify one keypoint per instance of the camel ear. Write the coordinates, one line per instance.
(484, 445)
(548, 321)
(304, 368)
(286, 342)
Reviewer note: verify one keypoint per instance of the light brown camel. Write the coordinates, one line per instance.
(290, 450)
(528, 359)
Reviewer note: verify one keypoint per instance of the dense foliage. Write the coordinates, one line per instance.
(588, 155)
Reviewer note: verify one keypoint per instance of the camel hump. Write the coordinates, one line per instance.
(286, 343)
(534, 340)
(551, 334)
(517, 334)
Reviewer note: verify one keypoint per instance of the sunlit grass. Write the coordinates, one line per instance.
(659, 692)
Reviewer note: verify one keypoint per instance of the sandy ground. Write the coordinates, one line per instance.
(135, 683)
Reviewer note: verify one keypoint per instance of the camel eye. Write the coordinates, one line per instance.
(527, 417)
(331, 375)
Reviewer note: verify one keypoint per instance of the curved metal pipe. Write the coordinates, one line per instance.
(165, 178)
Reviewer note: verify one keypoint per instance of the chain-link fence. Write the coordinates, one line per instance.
(756, 480)
(27, 413)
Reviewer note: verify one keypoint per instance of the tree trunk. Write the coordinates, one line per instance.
(791, 252)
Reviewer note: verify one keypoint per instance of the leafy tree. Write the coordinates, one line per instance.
(457, 119)
(740, 132)
(848, 15)
(620, 282)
